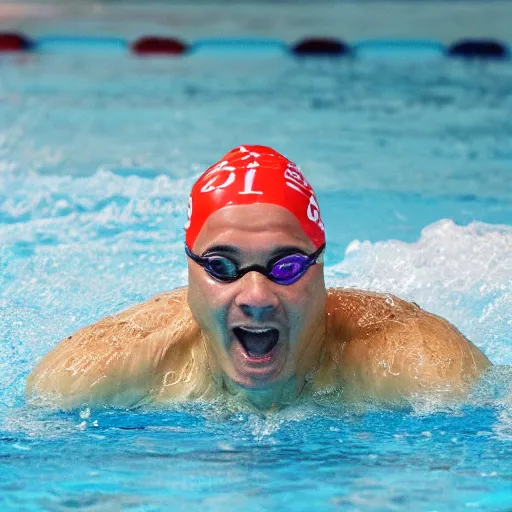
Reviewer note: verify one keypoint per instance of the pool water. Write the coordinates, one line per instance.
(411, 163)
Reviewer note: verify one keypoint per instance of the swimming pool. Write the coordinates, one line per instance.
(411, 162)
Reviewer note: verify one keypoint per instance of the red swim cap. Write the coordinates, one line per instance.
(249, 175)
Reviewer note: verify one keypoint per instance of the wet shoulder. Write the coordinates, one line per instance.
(157, 312)
(164, 312)
(354, 311)
(120, 359)
(382, 347)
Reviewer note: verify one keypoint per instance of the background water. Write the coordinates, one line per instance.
(411, 162)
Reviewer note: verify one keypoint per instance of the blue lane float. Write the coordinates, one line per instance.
(83, 44)
(479, 48)
(321, 46)
(239, 45)
(414, 48)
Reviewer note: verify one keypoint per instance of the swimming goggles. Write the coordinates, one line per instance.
(281, 270)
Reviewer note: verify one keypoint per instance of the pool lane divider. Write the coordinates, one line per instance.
(308, 47)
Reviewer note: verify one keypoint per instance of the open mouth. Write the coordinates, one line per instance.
(257, 342)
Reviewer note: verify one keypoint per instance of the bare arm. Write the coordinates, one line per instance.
(389, 349)
(121, 359)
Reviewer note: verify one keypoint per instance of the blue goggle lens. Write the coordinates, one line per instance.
(221, 267)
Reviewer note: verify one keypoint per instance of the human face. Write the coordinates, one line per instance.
(261, 334)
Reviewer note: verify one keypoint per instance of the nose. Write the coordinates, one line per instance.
(256, 297)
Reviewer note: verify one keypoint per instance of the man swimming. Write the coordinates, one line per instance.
(256, 321)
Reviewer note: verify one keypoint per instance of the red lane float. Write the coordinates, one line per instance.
(154, 45)
(479, 48)
(321, 46)
(14, 42)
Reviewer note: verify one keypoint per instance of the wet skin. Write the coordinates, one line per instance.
(183, 345)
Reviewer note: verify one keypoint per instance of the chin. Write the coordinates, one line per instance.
(259, 381)
(251, 384)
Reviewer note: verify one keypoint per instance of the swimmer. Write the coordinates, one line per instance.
(256, 322)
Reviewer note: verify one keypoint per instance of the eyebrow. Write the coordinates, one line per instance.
(235, 251)
(286, 250)
(229, 249)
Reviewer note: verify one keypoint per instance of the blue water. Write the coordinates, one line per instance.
(412, 167)
(189, 461)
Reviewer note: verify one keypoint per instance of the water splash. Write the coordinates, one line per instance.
(463, 273)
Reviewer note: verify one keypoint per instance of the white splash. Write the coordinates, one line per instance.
(463, 273)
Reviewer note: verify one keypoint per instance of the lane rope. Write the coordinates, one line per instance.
(152, 45)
